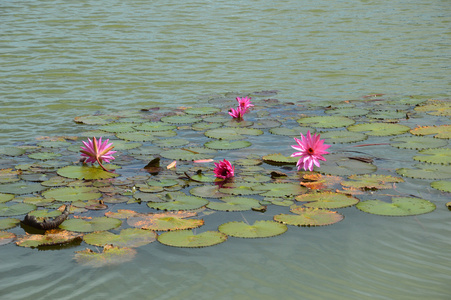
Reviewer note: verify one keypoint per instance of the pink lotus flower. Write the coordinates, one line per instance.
(244, 104)
(236, 113)
(224, 169)
(96, 151)
(311, 150)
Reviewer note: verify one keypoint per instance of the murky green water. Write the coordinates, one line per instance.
(61, 59)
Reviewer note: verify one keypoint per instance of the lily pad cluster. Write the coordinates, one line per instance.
(162, 188)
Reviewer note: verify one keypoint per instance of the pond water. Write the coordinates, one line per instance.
(61, 60)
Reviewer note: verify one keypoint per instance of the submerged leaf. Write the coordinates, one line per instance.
(110, 256)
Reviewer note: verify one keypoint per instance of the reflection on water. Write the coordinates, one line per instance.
(61, 60)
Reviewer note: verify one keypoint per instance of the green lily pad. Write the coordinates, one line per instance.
(435, 156)
(137, 136)
(181, 119)
(118, 127)
(265, 123)
(50, 238)
(347, 112)
(155, 126)
(120, 145)
(280, 189)
(341, 165)
(12, 151)
(436, 108)
(260, 229)
(6, 237)
(56, 181)
(190, 153)
(240, 124)
(327, 200)
(165, 221)
(110, 256)
(186, 238)
(293, 132)
(225, 133)
(343, 136)
(227, 145)
(442, 185)
(400, 206)
(326, 121)
(207, 191)
(240, 188)
(180, 203)
(20, 188)
(278, 158)
(202, 110)
(380, 129)
(248, 162)
(44, 155)
(307, 216)
(91, 225)
(371, 182)
(130, 237)
(44, 213)
(69, 194)
(234, 204)
(171, 142)
(6, 197)
(387, 114)
(441, 132)
(8, 223)
(426, 171)
(54, 144)
(85, 172)
(417, 142)
(205, 126)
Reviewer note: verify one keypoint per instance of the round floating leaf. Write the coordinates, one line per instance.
(6, 237)
(12, 151)
(306, 216)
(137, 136)
(54, 144)
(50, 238)
(278, 158)
(44, 213)
(226, 133)
(118, 127)
(436, 108)
(5, 197)
(260, 229)
(266, 123)
(217, 119)
(191, 153)
(248, 162)
(20, 188)
(130, 237)
(347, 112)
(400, 206)
(234, 204)
(441, 132)
(181, 119)
(121, 214)
(91, 225)
(326, 121)
(280, 189)
(123, 145)
(165, 221)
(44, 155)
(425, 171)
(417, 142)
(185, 238)
(235, 123)
(171, 142)
(341, 165)
(56, 181)
(8, 223)
(227, 145)
(343, 136)
(442, 185)
(163, 182)
(379, 129)
(180, 203)
(240, 188)
(372, 182)
(110, 256)
(91, 120)
(387, 114)
(155, 126)
(202, 110)
(294, 132)
(85, 172)
(207, 191)
(435, 156)
(327, 200)
(69, 194)
(205, 126)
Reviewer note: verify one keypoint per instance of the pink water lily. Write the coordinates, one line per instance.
(236, 113)
(311, 149)
(224, 169)
(244, 103)
(96, 151)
